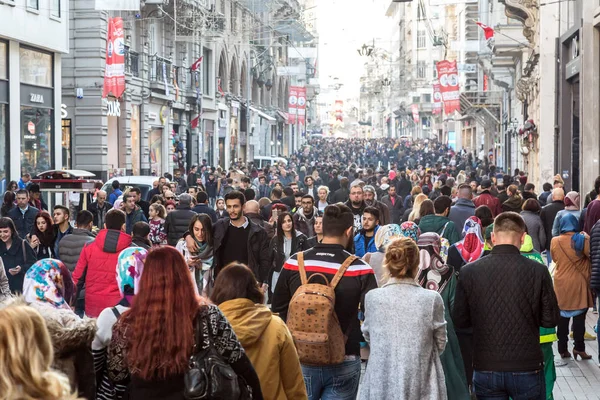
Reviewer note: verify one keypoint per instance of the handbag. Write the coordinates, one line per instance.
(210, 377)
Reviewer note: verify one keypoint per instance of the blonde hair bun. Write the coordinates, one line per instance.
(402, 258)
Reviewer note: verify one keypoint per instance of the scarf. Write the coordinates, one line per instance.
(592, 215)
(434, 273)
(572, 201)
(568, 223)
(471, 247)
(44, 284)
(205, 253)
(385, 235)
(130, 266)
(410, 230)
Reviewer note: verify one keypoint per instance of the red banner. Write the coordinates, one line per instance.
(437, 99)
(448, 76)
(415, 113)
(293, 105)
(114, 74)
(302, 105)
(339, 110)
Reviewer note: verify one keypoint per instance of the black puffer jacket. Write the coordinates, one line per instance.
(177, 223)
(299, 243)
(506, 298)
(595, 257)
(258, 248)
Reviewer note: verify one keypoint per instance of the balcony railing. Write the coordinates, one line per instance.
(159, 69)
(132, 62)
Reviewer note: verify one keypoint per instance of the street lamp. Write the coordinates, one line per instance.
(365, 50)
(269, 84)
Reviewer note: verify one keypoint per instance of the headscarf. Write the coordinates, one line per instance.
(569, 223)
(434, 273)
(44, 284)
(572, 201)
(592, 215)
(385, 235)
(471, 247)
(130, 266)
(410, 230)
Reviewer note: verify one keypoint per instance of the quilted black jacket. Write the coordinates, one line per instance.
(506, 298)
(595, 256)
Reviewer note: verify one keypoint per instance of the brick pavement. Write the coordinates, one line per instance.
(579, 379)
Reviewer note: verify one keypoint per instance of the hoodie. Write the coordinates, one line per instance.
(303, 224)
(269, 346)
(440, 225)
(96, 270)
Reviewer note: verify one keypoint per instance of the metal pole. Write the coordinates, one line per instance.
(248, 102)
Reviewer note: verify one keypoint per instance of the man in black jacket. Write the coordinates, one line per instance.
(99, 209)
(23, 215)
(203, 208)
(548, 214)
(506, 298)
(343, 193)
(177, 221)
(238, 239)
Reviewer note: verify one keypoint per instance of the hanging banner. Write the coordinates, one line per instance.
(293, 104)
(114, 73)
(302, 105)
(448, 76)
(415, 113)
(339, 110)
(437, 99)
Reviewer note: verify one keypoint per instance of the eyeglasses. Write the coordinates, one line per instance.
(169, 198)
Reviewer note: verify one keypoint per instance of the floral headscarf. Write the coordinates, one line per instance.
(434, 273)
(410, 230)
(471, 247)
(385, 235)
(130, 266)
(44, 283)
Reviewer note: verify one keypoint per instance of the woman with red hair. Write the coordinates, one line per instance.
(42, 236)
(152, 342)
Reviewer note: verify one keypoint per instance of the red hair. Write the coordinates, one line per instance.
(161, 321)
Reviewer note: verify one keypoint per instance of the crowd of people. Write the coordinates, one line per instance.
(449, 277)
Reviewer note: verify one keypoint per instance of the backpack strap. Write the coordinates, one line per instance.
(340, 273)
(301, 270)
(444, 230)
(368, 258)
(116, 312)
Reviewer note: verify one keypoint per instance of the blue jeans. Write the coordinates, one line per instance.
(332, 382)
(548, 258)
(526, 385)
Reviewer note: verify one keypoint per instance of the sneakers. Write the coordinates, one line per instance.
(586, 336)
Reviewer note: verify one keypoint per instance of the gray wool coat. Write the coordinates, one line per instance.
(405, 327)
(535, 229)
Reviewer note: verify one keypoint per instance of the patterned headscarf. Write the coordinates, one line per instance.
(44, 283)
(471, 247)
(130, 266)
(434, 273)
(410, 230)
(385, 235)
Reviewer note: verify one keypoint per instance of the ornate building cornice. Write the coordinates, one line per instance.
(526, 11)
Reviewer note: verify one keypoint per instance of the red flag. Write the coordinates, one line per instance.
(219, 87)
(114, 73)
(194, 122)
(196, 64)
(487, 31)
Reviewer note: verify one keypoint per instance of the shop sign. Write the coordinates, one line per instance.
(36, 98)
(63, 111)
(113, 108)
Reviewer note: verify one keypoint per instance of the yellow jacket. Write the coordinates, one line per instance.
(269, 346)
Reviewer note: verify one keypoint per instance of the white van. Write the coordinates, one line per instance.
(144, 183)
(262, 161)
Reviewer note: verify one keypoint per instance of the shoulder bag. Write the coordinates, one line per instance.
(210, 377)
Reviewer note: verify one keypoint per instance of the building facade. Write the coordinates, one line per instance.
(33, 41)
(228, 110)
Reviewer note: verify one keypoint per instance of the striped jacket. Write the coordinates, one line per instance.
(349, 293)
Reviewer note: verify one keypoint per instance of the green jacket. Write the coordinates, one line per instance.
(439, 224)
(547, 335)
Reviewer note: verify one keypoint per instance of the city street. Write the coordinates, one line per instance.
(579, 379)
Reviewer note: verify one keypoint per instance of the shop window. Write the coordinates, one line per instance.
(35, 67)
(66, 143)
(36, 139)
(3, 61)
(3, 146)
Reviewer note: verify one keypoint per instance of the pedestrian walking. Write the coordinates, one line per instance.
(41, 239)
(535, 228)
(407, 369)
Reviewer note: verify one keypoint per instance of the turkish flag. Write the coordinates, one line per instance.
(487, 31)
(196, 64)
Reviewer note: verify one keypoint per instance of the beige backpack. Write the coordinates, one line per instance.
(312, 319)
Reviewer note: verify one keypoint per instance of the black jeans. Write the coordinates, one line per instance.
(578, 332)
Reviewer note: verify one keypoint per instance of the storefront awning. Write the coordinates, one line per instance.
(263, 115)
